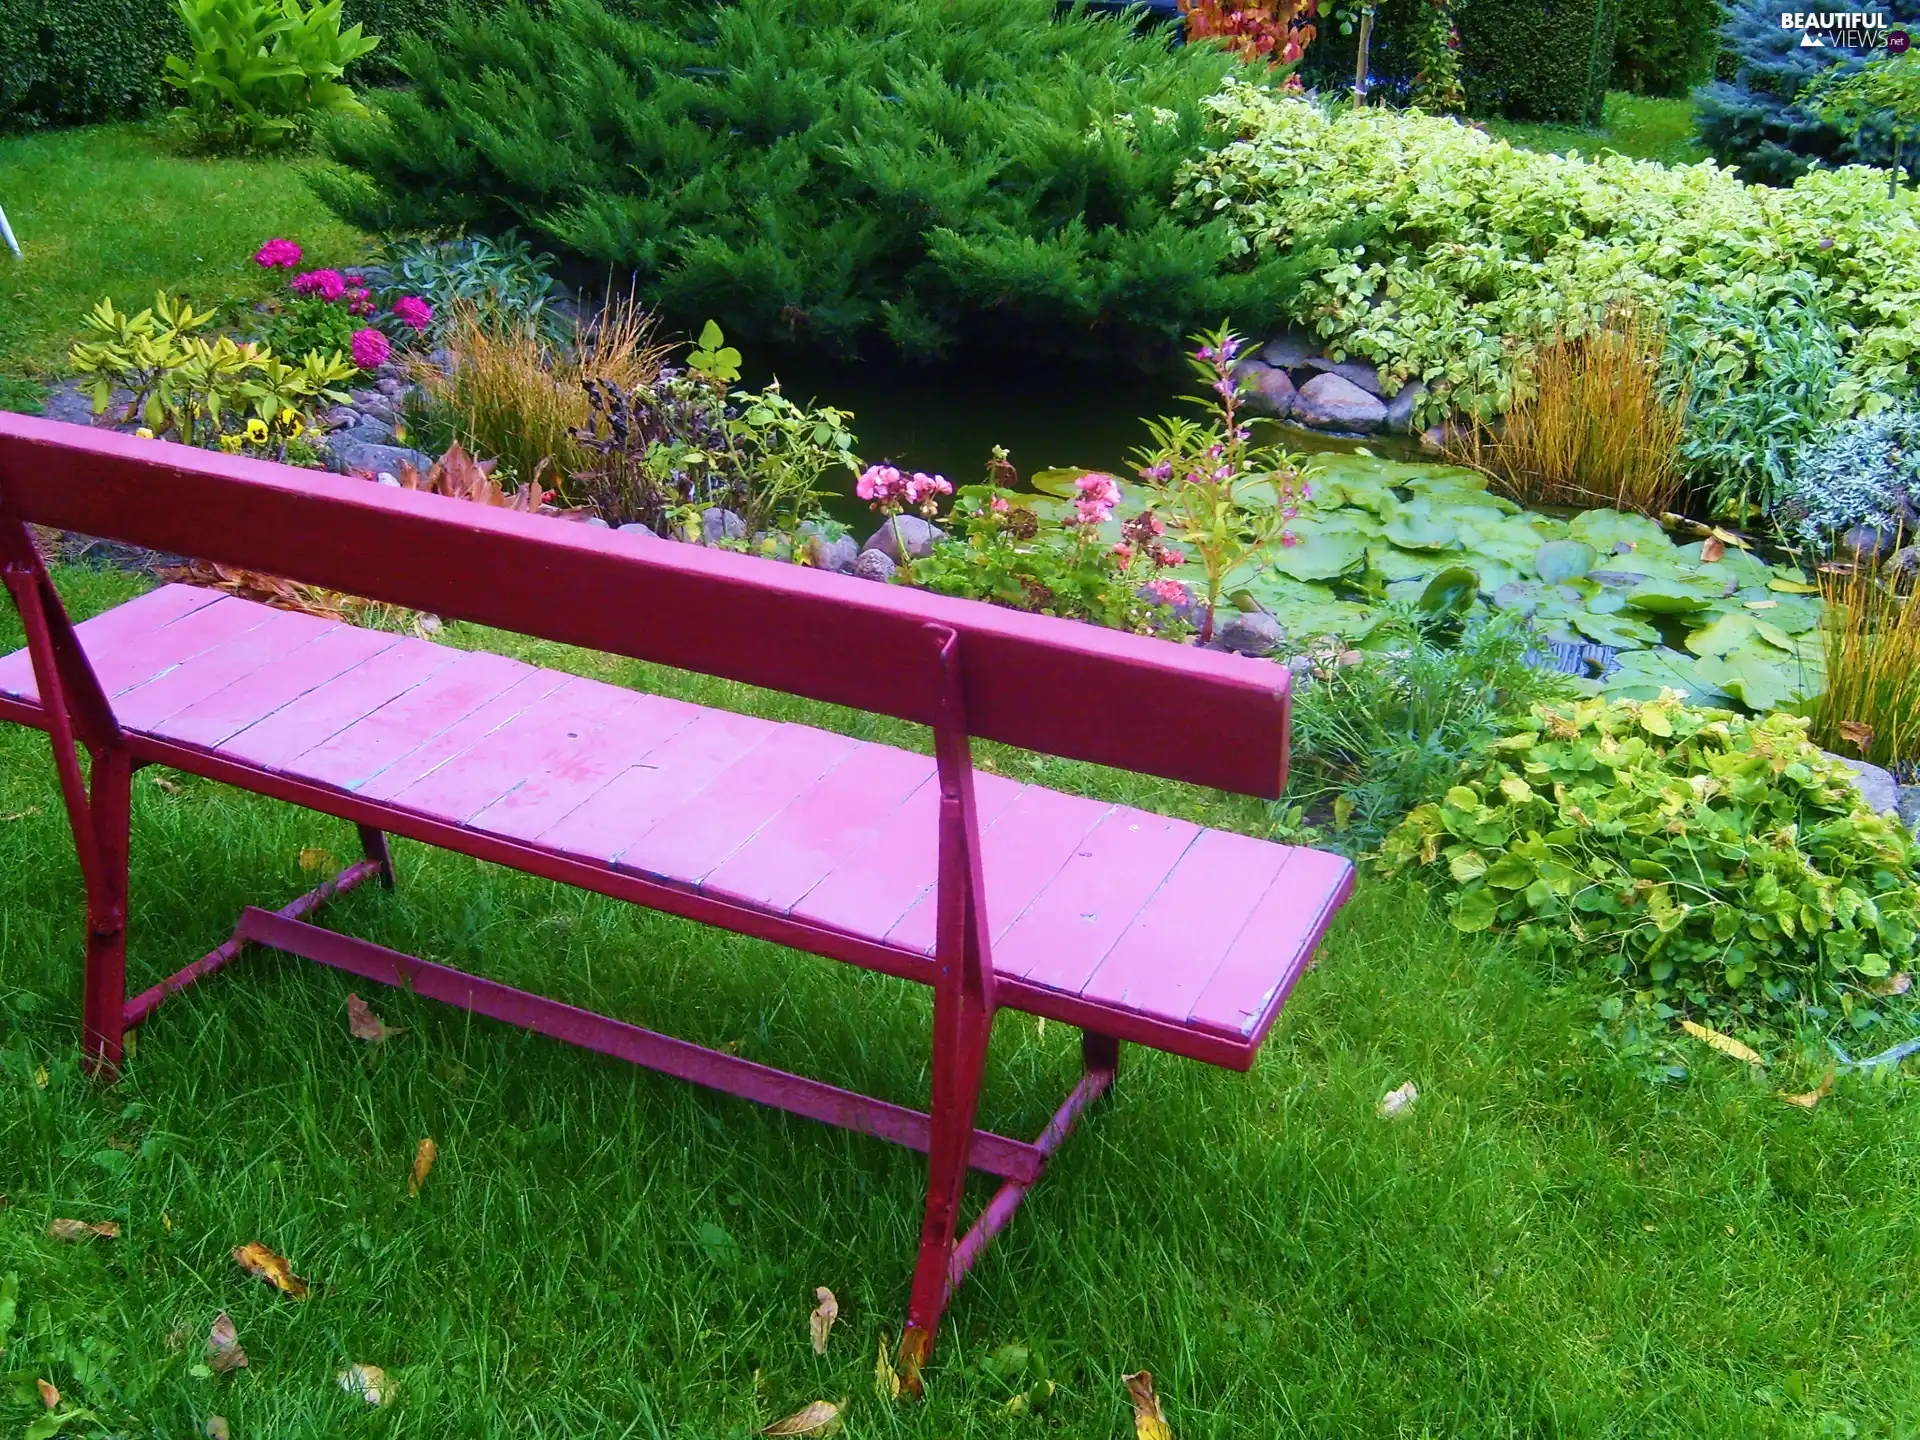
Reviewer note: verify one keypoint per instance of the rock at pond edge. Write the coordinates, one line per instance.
(1332, 402)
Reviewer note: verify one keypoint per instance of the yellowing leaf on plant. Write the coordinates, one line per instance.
(1791, 587)
(1814, 1096)
(369, 1382)
(75, 1230)
(1149, 1421)
(49, 1396)
(886, 1380)
(821, 1321)
(39, 1077)
(822, 1417)
(424, 1154)
(1857, 735)
(313, 860)
(1342, 811)
(223, 1346)
(1725, 1044)
(1893, 985)
(257, 1260)
(365, 1025)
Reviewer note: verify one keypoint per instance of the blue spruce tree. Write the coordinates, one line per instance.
(1754, 119)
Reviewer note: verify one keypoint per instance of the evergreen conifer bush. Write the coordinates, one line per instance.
(826, 170)
(1755, 119)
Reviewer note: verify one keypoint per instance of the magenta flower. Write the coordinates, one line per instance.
(370, 348)
(1158, 471)
(921, 489)
(277, 254)
(413, 312)
(1000, 505)
(360, 301)
(1288, 538)
(329, 285)
(880, 484)
(1123, 552)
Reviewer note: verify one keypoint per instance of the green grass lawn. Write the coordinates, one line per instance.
(1642, 126)
(118, 210)
(1546, 1245)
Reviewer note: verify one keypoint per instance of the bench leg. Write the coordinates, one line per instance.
(961, 1027)
(373, 844)
(103, 1008)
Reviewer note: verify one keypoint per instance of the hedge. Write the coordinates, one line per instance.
(1664, 47)
(1537, 59)
(71, 62)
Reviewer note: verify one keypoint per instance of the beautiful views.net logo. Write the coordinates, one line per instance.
(1846, 30)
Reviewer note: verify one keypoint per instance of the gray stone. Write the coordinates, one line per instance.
(597, 522)
(1244, 634)
(367, 432)
(1868, 543)
(874, 565)
(1332, 402)
(1909, 807)
(389, 479)
(1266, 390)
(338, 417)
(913, 532)
(388, 385)
(356, 458)
(1289, 350)
(717, 524)
(1433, 440)
(1359, 373)
(1400, 408)
(638, 531)
(1904, 565)
(69, 403)
(1875, 785)
(834, 554)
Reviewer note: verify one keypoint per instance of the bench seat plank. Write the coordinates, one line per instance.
(1101, 905)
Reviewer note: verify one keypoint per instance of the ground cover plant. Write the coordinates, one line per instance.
(1542, 1240)
(833, 172)
(1716, 862)
(1484, 250)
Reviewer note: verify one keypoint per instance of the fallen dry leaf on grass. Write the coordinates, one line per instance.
(1857, 735)
(171, 787)
(1725, 1044)
(1397, 1102)
(424, 1154)
(20, 814)
(369, 1382)
(75, 1230)
(366, 1025)
(1149, 1421)
(257, 1260)
(40, 1077)
(313, 860)
(821, 1321)
(49, 1396)
(886, 1380)
(1894, 985)
(822, 1417)
(223, 1346)
(1814, 1096)
(217, 1428)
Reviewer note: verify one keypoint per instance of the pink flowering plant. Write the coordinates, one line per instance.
(1227, 499)
(348, 312)
(1003, 549)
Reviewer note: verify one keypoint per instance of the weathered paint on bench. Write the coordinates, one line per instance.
(1127, 924)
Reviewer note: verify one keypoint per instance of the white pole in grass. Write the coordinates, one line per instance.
(6, 233)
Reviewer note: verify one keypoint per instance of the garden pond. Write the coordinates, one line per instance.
(1645, 609)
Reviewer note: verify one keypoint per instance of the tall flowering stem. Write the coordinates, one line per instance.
(890, 492)
(1227, 499)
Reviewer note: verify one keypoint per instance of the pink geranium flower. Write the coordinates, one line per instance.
(327, 284)
(923, 487)
(277, 254)
(880, 484)
(1098, 495)
(370, 349)
(1167, 592)
(413, 312)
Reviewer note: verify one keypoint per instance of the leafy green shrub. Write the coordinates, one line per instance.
(1753, 117)
(501, 282)
(259, 71)
(1883, 93)
(826, 171)
(1762, 380)
(1664, 47)
(1865, 471)
(310, 324)
(1537, 59)
(1481, 250)
(1716, 861)
(1378, 731)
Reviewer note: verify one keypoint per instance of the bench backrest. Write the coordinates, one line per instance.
(1055, 686)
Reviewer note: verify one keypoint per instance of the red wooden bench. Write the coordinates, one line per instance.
(1125, 924)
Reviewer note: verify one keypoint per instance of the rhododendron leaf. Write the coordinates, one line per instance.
(257, 1260)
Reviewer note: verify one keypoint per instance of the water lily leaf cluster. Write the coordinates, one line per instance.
(1717, 861)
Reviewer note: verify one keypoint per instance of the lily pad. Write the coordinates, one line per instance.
(1320, 554)
(1643, 674)
(1415, 528)
(1724, 635)
(1606, 530)
(1619, 631)
(1668, 597)
(1559, 561)
(1451, 592)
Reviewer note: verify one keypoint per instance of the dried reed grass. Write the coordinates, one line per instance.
(1871, 708)
(1599, 429)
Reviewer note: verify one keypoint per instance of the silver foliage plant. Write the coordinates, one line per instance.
(1864, 471)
